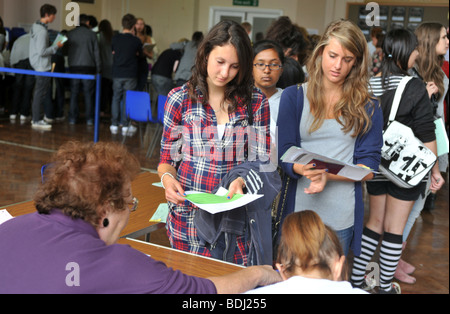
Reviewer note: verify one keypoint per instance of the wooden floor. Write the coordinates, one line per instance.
(23, 151)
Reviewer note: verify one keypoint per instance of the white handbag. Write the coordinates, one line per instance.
(405, 160)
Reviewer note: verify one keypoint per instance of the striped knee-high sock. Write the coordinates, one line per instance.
(390, 253)
(369, 245)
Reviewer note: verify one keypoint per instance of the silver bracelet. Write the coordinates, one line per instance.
(162, 177)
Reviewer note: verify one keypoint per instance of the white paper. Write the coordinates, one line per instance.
(221, 207)
(302, 156)
(60, 38)
(4, 216)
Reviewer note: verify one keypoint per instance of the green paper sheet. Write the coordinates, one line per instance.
(207, 198)
(161, 213)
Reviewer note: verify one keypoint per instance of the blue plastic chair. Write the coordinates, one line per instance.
(138, 108)
(43, 172)
(159, 127)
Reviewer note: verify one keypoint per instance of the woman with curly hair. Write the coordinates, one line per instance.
(69, 244)
(334, 115)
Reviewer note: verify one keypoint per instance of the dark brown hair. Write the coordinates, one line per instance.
(241, 87)
(85, 176)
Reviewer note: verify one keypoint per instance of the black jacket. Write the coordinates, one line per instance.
(254, 221)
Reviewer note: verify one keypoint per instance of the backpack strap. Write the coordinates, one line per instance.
(398, 96)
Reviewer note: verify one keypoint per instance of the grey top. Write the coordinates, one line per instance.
(336, 203)
(184, 70)
(40, 50)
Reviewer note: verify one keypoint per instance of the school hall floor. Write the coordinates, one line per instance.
(23, 151)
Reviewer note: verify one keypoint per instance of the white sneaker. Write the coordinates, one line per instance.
(114, 129)
(12, 117)
(42, 125)
(48, 120)
(24, 118)
(129, 131)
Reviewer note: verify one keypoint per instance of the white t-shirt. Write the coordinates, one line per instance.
(303, 285)
(274, 104)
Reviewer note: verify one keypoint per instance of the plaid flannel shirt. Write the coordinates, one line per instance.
(190, 143)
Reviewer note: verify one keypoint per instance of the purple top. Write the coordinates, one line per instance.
(56, 254)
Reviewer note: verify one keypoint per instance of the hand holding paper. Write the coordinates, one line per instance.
(216, 203)
(302, 156)
(60, 40)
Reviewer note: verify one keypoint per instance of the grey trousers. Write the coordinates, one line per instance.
(41, 88)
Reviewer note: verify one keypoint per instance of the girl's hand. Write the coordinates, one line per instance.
(174, 191)
(318, 182)
(318, 177)
(432, 88)
(236, 187)
(437, 181)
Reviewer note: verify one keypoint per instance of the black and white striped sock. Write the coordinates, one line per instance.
(390, 253)
(369, 245)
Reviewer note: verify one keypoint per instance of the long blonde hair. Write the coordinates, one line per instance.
(428, 62)
(350, 110)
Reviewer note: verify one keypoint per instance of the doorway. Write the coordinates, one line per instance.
(260, 19)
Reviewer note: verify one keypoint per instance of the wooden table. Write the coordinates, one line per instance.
(187, 263)
(149, 197)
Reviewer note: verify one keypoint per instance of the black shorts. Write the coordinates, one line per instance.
(387, 187)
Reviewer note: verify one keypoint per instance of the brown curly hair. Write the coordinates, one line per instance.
(84, 176)
(241, 87)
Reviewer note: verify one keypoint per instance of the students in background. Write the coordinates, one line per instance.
(40, 60)
(295, 46)
(267, 69)
(391, 205)
(83, 58)
(215, 102)
(163, 70)
(187, 61)
(310, 259)
(127, 49)
(23, 84)
(374, 39)
(147, 49)
(105, 35)
(433, 44)
(334, 115)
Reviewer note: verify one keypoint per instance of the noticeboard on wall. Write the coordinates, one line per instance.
(397, 15)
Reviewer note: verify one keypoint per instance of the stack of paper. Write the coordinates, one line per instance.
(216, 203)
(60, 38)
(302, 156)
(4, 216)
(161, 213)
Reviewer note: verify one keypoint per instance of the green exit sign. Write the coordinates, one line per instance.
(248, 3)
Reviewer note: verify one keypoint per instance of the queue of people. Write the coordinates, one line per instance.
(228, 125)
(90, 48)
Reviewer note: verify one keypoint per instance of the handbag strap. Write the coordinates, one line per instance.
(398, 96)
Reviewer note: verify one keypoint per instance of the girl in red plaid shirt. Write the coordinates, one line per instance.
(207, 131)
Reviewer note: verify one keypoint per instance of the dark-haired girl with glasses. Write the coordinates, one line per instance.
(267, 69)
